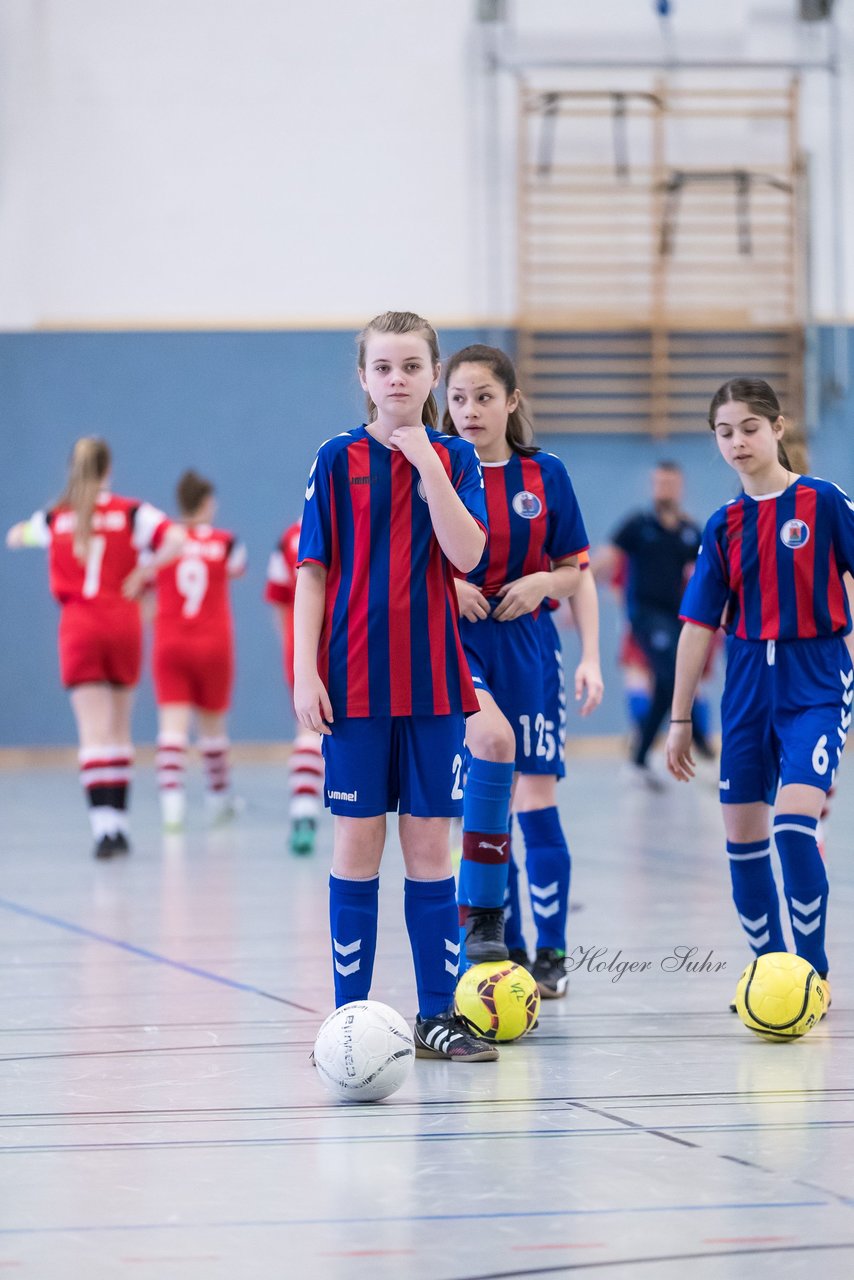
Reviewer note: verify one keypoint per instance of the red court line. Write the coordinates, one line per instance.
(747, 1239)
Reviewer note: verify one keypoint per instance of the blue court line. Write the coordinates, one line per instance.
(415, 1217)
(68, 925)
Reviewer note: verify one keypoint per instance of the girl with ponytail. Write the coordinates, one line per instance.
(537, 541)
(94, 539)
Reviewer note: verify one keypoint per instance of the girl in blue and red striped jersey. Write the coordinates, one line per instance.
(772, 563)
(536, 536)
(392, 508)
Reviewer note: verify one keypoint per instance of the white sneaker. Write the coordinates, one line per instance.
(221, 807)
(173, 808)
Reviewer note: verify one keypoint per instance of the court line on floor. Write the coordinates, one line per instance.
(498, 1215)
(600, 1264)
(661, 1132)
(17, 908)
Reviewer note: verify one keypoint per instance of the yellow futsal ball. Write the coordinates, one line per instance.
(498, 1000)
(780, 996)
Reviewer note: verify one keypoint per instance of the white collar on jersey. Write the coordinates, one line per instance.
(766, 497)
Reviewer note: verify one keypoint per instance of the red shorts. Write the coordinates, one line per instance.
(100, 645)
(197, 672)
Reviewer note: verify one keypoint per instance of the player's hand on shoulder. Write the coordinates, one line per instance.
(474, 606)
(680, 762)
(311, 703)
(520, 597)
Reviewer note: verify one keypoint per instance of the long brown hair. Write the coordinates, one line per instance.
(520, 428)
(87, 470)
(402, 322)
(759, 398)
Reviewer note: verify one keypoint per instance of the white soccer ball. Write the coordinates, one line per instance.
(364, 1051)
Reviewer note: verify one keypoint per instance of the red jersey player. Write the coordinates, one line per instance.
(194, 654)
(305, 766)
(94, 539)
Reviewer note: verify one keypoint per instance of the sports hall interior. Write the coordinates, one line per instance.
(201, 205)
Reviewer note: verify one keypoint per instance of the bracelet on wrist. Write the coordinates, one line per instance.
(688, 721)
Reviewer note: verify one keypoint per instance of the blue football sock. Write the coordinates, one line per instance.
(701, 715)
(514, 939)
(754, 893)
(548, 863)
(486, 839)
(805, 882)
(637, 702)
(353, 908)
(430, 908)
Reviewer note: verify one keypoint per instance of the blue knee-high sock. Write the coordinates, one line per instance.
(548, 863)
(514, 938)
(702, 715)
(353, 908)
(637, 701)
(754, 893)
(486, 839)
(805, 882)
(430, 908)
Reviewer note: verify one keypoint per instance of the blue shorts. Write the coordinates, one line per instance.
(506, 660)
(379, 764)
(785, 714)
(554, 685)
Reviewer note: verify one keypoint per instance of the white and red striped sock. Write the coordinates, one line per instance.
(305, 777)
(100, 779)
(171, 761)
(122, 766)
(215, 763)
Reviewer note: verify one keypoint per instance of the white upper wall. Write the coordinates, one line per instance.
(280, 162)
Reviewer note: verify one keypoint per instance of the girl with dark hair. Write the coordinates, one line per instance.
(772, 564)
(194, 655)
(536, 537)
(94, 539)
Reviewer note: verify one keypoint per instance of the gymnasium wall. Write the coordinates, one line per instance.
(210, 163)
(250, 409)
(199, 202)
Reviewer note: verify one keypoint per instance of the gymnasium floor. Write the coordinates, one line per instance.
(160, 1116)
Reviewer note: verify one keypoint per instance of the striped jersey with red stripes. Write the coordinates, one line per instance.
(121, 528)
(772, 566)
(533, 519)
(390, 642)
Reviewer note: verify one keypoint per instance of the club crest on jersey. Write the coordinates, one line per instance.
(794, 534)
(527, 505)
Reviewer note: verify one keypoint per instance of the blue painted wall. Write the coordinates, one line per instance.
(249, 409)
